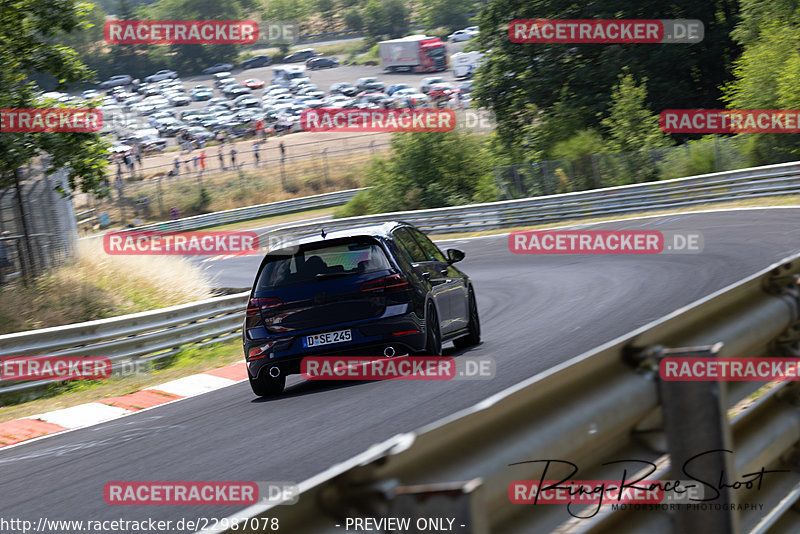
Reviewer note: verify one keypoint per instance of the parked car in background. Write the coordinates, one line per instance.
(219, 67)
(257, 61)
(235, 89)
(396, 87)
(253, 83)
(343, 88)
(178, 99)
(460, 35)
(322, 63)
(300, 55)
(161, 75)
(370, 84)
(198, 132)
(409, 98)
(222, 82)
(116, 81)
(441, 90)
(202, 92)
(427, 82)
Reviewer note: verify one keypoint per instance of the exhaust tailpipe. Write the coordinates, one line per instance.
(389, 352)
(275, 371)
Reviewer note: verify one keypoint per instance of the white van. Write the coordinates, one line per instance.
(284, 74)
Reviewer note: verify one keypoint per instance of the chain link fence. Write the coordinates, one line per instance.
(221, 180)
(550, 177)
(37, 221)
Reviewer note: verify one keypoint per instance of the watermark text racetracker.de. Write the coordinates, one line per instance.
(700, 369)
(397, 368)
(199, 493)
(42, 120)
(730, 121)
(378, 120)
(607, 31)
(180, 243)
(18, 368)
(180, 31)
(604, 242)
(124, 526)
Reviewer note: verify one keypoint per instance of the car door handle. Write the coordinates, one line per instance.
(443, 272)
(426, 275)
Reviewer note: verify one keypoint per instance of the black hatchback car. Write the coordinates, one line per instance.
(257, 61)
(379, 290)
(322, 63)
(300, 55)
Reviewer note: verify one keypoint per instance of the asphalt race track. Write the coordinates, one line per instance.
(536, 311)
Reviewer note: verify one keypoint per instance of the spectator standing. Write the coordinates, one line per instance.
(129, 163)
(202, 161)
(196, 161)
(256, 148)
(177, 163)
(233, 156)
(283, 152)
(221, 159)
(5, 255)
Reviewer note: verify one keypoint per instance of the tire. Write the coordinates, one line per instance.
(433, 336)
(474, 326)
(267, 386)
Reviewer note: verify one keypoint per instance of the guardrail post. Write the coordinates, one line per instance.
(696, 422)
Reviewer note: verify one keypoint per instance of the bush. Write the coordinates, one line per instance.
(427, 170)
(98, 285)
(693, 158)
(201, 203)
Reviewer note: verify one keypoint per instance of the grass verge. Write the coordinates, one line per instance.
(190, 361)
(97, 286)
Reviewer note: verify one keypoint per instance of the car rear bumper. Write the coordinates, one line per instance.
(369, 339)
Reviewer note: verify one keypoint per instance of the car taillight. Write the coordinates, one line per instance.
(259, 352)
(256, 305)
(393, 282)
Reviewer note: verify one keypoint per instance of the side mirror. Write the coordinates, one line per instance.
(454, 255)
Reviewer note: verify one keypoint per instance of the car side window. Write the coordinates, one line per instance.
(429, 248)
(409, 246)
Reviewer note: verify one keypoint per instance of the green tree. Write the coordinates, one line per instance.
(427, 170)
(582, 76)
(27, 33)
(326, 7)
(451, 14)
(386, 18)
(286, 10)
(766, 76)
(630, 125)
(352, 19)
(193, 57)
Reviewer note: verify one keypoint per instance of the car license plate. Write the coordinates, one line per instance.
(328, 338)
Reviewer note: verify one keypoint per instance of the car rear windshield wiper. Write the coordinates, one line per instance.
(333, 275)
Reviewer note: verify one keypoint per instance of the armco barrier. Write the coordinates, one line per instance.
(325, 200)
(140, 336)
(604, 405)
(782, 179)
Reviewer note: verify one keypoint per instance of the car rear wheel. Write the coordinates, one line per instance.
(474, 326)
(433, 337)
(267, 386)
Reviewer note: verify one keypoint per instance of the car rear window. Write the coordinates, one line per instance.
(316, 262)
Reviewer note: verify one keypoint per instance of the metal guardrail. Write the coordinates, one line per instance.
(141, 336)
(604, 405)
(325, 200)
(749, 183)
